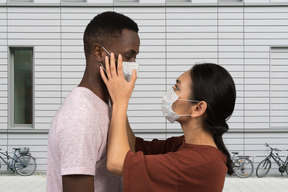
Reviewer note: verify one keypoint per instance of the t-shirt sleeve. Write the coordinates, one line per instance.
(78, 144)
(158, 146)
(149, 172)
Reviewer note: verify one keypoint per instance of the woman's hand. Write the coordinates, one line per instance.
(120, 92)
(119, 89)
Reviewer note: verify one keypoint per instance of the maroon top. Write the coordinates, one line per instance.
(173, 165)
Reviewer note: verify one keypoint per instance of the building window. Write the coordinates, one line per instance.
(21, 86)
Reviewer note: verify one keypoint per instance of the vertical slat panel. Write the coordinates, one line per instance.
(231, 56)
(191, 38)
(3, 70)
(279, 87)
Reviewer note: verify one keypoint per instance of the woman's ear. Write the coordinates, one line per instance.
(97, 52)
(199, 109)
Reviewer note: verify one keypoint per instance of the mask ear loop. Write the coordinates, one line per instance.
(192, 101)
(108, 52)
(103, 67)
(109, 55)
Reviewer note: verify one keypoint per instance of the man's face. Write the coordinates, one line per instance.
(127, 45)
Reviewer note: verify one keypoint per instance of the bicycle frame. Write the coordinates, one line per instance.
(7, 156)
(242, 165)
(276, 157)
(281, 164)
(10, 165)
(22, 162)
(286, 162)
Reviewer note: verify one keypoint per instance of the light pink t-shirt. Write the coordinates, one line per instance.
(77, 142)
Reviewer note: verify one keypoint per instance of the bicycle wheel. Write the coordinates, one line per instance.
(263, 168)
(243, 167)
(25, 165)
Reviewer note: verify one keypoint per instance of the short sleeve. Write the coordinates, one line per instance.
(149, 172)
(78, 143)
(158, 146)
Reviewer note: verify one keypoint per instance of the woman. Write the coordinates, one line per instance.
(202, 99)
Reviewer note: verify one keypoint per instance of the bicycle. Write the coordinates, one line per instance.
(242, 165)
(22, 162)
(265, 165)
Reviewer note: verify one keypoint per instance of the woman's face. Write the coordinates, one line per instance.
(183, 89)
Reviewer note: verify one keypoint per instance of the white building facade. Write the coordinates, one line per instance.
(42, 60)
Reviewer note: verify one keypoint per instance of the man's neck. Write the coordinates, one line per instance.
(94, 82)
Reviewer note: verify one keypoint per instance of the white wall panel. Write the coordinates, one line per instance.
(279, 87)
(3, 70)
(36, 142)
(172, 40)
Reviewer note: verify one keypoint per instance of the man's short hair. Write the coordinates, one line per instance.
(105, 26)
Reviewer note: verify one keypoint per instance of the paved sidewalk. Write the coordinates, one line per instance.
(17, 183)
(255, 184)
(37, 183)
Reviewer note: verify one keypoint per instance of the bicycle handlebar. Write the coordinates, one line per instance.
(272, 149)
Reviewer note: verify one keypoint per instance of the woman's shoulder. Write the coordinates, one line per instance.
(197, 155)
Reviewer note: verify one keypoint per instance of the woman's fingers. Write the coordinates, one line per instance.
(107, 66)
(104, 78)
(120, 66)
(112, 65)
(133, 77)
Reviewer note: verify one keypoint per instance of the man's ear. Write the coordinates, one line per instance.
(199, 109)
(97, 52)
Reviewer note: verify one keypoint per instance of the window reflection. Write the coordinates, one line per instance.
(23, 111)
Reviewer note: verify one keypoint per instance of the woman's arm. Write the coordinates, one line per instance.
(120, 92)
(118, 144)
(131, 136)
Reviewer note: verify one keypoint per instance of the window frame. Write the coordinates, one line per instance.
(11, 87)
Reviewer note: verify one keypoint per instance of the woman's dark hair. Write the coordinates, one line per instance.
(214, 85)
(104, 27)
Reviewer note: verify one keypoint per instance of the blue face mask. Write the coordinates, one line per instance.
(128, 67)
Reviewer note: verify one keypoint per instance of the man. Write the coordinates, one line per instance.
(78, 135)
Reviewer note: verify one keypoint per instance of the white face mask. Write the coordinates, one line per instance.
(167, 101)
(128, 67)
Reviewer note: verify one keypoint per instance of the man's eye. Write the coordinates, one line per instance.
(127, 56)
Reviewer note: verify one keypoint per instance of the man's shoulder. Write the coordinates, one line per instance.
(82, 106)
(84, 99)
